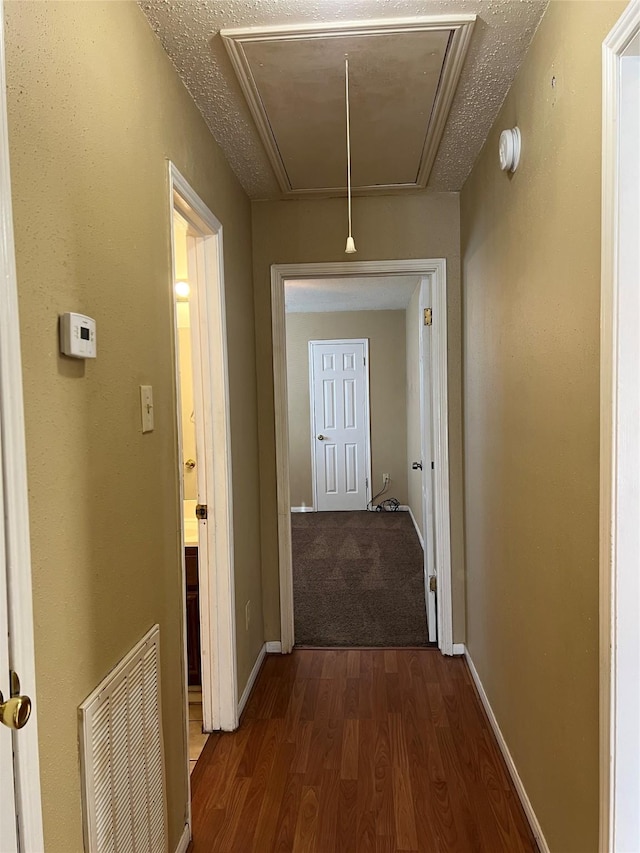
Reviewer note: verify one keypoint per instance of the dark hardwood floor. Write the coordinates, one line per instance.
(379, 750)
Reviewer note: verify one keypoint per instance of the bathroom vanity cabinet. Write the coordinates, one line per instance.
(193, 617)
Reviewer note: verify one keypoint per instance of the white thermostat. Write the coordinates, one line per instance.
(510, 146)
(77, 335)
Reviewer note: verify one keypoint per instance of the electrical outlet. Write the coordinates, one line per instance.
(385, 479)
(247, 614)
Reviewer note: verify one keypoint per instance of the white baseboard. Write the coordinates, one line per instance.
(406, 508)
(415, 524)
(303, 509)
(185, 838)
(274, 647)
(252, 679)
(459, 649)
(515, 776)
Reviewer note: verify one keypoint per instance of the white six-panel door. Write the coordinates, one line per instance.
(339, 391)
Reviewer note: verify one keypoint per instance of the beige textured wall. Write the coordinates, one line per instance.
(386, 333)
(414, 444)
(531, 265)
(424, 225)
(95, 110)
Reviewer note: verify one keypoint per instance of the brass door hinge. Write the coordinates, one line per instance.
(201, 511)
(428, 317)
(433, 583)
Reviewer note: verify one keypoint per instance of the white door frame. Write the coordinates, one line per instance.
(619, 612)
(435, 270)
(213, 429)
(367, 415)
(13, 469)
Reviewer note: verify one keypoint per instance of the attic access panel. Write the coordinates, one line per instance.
(402, 77)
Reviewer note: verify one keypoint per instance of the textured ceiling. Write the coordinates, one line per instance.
(359, 293)
(189, 32)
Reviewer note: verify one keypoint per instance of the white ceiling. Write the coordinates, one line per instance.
(373, 293)
(189, 32)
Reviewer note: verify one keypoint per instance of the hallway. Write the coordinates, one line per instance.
(353, 750)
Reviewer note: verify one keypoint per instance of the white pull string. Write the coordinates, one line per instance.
(351, 248)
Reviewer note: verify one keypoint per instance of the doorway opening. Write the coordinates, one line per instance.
(183, 233)
(330, 322)
(204, 475)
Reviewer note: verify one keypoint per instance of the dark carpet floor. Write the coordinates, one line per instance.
(357, 580)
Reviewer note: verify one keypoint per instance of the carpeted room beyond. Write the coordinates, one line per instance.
(357, 580)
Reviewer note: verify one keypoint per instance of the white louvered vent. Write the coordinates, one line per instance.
(122, 756)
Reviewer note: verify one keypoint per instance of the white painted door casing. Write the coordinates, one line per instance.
(339, 397)
(619, 455)
(20, 811)
(215, 487)
(436, 270)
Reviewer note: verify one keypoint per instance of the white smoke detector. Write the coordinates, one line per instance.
(510, 147)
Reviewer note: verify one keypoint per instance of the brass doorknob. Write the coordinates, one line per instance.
(190, 464)
(15, 712)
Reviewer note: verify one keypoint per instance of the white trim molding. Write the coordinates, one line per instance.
(504, 749)
(303, 509)
(253, 675)
(435, 270)
(415, 523)
(216, 547)
(17, 544)
(185, 840)
(274, 647)
(459, 649)
(440, 437)
(618, 465)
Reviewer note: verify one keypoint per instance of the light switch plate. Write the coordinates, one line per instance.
(146, 407)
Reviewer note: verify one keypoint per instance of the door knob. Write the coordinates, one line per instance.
(190, 464)
(417, 465)
(15, 712)
(320, 438)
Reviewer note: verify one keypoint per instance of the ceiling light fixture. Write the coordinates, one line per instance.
(182, 289)
(351, 246)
